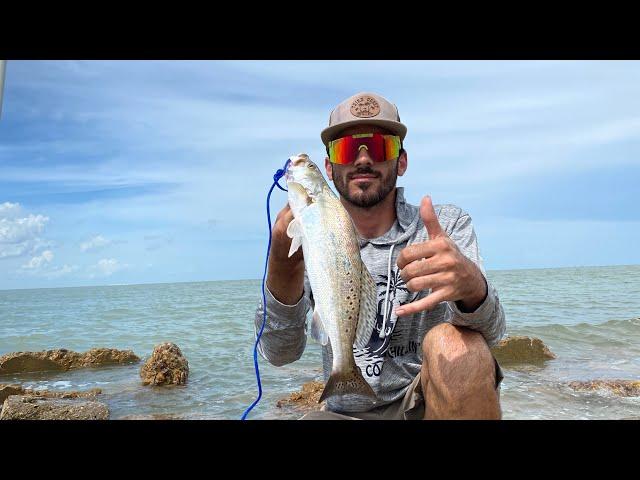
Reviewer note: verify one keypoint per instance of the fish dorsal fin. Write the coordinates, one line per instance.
(318, 333)
(368, 309)
(294, 232)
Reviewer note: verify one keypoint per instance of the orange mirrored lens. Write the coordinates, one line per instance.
(380, 148)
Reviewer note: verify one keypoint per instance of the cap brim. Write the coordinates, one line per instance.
(396, 128)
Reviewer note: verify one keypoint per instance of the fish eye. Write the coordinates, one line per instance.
(311, 165)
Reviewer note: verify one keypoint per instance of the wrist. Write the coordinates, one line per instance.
(471, 303)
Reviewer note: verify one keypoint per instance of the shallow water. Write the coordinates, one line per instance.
(587, 316)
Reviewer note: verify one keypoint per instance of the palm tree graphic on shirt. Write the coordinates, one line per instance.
(377, 345)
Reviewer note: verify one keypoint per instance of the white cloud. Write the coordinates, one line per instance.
(96, 243)
(19, 235)
(60, 271)
(106, 267)
(40, 266)
(40, 261)
(9, 210)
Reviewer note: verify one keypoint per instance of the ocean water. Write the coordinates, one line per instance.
(588, 316)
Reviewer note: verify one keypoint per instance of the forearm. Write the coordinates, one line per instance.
(481, 310)
(285, 281)
(284, 336)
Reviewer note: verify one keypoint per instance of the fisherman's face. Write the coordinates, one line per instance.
(365, 183)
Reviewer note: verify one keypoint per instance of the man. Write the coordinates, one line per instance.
(428, 356)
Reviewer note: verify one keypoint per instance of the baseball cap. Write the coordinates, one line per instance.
(364, 108)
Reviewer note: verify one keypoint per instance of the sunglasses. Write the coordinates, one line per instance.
(380, 148)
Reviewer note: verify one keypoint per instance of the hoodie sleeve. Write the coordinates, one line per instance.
(488, 318)
(285, 334)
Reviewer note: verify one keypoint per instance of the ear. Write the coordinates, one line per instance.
(402, 163)
(329, 168)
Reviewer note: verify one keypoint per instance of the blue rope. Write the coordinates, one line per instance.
(278, 175)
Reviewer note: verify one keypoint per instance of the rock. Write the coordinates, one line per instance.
(521, 350)
(19, 362)
(63, 359)
(31, 407)
(624, 388)
(305, 400)
(6, 390)
(166, 365)
(152, 416)
(107, 356)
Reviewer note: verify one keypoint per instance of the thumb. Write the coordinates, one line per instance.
(430, 219)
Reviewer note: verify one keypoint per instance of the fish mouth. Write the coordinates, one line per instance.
(299, 160)
(295, 162)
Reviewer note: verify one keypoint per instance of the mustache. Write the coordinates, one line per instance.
(363, 171)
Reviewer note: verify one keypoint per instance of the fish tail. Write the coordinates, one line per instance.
(349, 382)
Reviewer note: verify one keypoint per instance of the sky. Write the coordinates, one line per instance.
(119, 172)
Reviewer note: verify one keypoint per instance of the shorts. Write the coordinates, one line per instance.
(409, 407)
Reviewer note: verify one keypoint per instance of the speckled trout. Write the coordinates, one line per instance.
(343, 289)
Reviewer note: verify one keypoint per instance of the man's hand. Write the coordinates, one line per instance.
(439, 265)
(285, 278)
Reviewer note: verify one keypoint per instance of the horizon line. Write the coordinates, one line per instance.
(259, 279)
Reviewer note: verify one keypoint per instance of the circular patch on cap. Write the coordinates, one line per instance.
(365, 107)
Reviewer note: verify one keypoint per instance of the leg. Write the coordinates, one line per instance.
(458, 375)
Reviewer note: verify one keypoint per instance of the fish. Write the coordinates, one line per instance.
(343, 289)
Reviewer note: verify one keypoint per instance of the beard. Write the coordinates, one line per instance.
(367, 195)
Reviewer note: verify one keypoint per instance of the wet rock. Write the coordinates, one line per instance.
(107, 356)
(519, 349)
(623, 388)
(152, 416)
(6, 390)
(166, 366)
(63, 359)
(305, 400)
(31, 407)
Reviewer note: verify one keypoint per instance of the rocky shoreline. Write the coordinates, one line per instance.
(165, 366)
(168, 366)
(511, 351)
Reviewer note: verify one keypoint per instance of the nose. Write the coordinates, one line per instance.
(363, 158)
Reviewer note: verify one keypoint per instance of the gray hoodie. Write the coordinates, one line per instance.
(393, 356)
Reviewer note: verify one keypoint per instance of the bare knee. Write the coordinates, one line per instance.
(458, 374)
(452, 351)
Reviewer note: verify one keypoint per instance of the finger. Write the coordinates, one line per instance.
(286, 210)
(425, 282)
(430, 219)
(421, 267)
(415, 252)
(426, 303)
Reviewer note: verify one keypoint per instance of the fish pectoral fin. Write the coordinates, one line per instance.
(318, 333)
(294, 232)
(296, 243)
(368, 309)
